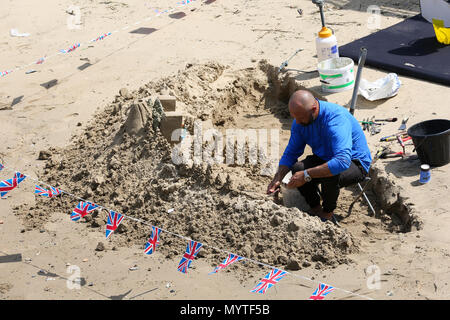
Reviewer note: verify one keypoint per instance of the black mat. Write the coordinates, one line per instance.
(408, 48)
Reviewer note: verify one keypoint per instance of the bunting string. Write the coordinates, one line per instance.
(85, 207)
(101, 37)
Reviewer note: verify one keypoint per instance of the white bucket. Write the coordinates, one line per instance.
(336, 74)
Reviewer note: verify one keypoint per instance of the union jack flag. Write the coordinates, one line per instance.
(19, 177)
(41, 191)
(269, 280)
(193, 247)
(82, 209)
(53, 192)
(1, 167)
(40, 61)
(229, 260)
(8, 185)
(150, 246)
(321, 292)
(114, 219)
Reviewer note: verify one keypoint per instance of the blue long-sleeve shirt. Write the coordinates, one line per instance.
(335, 136)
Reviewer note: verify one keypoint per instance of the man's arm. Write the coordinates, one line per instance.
(320, 171)
(340, 133)
(293, 151)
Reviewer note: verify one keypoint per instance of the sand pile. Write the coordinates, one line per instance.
(122, 162)
(215, 92)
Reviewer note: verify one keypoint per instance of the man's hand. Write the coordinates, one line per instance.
(297, 180)
(274, 186)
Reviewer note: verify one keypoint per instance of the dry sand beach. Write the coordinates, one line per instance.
(84, 122)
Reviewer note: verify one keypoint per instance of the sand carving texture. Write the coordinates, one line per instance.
(122, 163)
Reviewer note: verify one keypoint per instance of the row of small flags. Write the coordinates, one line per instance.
(84, 208)
(77, 45)
(4, 73)
(103, 36)
(71, 48)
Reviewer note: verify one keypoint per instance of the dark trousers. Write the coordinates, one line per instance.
(330, 185)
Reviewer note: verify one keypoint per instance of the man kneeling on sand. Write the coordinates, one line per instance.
(341, 156)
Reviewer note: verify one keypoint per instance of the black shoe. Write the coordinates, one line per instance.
(333, 219)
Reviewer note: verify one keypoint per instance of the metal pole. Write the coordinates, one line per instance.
(319, 3)
(367, 199)
(322, 17)
(362, 60)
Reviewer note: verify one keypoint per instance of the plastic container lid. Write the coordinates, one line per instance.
(325, 32)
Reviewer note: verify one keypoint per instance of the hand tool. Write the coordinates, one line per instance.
(393, 136)
(389, 139)
(406, 139)
(370, 122)
(274, 193)
(400, 140)
(403, 125)
(387, 120)
(373, 130)
(386, 155)
(285, 64)
(380, 151)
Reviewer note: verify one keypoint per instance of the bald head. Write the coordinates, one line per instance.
(303, 107)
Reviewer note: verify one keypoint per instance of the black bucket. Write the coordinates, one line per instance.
(432, 141)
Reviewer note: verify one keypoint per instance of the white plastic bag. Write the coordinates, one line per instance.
(380, 89)
(16, 33)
